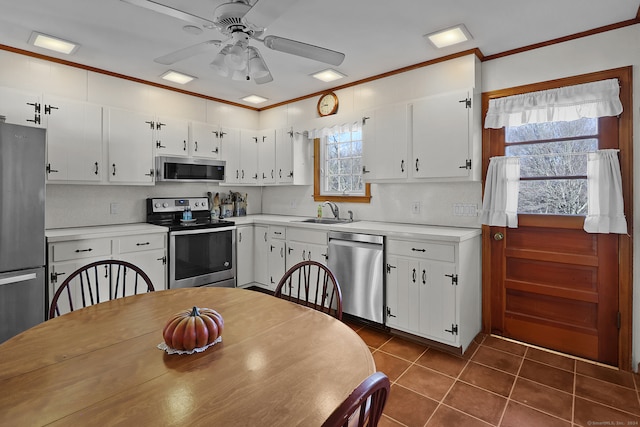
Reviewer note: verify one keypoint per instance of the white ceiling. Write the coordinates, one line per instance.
(376, 36)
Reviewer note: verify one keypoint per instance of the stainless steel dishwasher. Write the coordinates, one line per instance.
(357, 261)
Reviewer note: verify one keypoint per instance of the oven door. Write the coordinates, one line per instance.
(204, 257)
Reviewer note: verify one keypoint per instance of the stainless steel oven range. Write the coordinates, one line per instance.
(201, 250)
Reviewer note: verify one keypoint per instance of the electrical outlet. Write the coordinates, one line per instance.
(114, 208)
(415, 207)
(465, 209)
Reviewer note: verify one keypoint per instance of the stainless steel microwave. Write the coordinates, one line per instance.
(181, 169)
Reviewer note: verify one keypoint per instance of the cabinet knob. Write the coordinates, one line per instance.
(498, 236)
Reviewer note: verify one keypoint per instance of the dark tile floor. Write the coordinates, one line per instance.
(499, 383)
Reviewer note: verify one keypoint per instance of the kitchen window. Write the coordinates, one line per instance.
(338, 168)
(553, 165)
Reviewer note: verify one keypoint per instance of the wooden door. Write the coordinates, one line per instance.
(550, 283)
(556, 287)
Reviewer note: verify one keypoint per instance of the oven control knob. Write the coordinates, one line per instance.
(197, 204)
(157, 205)
(165, 205)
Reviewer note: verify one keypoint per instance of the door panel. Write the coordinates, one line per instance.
(557, 288)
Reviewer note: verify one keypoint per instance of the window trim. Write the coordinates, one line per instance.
(317, 180)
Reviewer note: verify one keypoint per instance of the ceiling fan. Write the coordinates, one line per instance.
(241, 22)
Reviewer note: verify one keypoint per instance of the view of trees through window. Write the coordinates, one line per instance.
(343, 164)
(553, 165)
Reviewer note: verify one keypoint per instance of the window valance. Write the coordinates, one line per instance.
(354, 126)
(596, 99)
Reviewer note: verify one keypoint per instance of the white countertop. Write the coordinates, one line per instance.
(99, 231)
(389, 229)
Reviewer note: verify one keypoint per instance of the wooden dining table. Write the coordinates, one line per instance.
(279, 364)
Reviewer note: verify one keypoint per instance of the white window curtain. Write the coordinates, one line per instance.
(604, 186)
(500, 203)
(596, 99)
(336, 129)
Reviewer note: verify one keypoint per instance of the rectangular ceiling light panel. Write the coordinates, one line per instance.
(176, 77)
(52, 43)
(449, 36)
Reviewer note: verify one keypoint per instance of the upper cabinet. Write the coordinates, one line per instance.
(267, 157)
(171, 135)
(441, 131)
(433, 138)
(21, 108)
(385, 147)
(74, 140)
(204, 140)
(129, 145)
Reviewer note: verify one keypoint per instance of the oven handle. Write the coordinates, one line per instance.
(201, 231)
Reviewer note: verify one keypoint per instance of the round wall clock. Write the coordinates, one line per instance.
(328, 104)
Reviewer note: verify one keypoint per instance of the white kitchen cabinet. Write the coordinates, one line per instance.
(171, 135)
(147, 251)
(245, 242)
(266, 157)
(69, 249)
(442, 136)
(130, 147)
(276, 255)
(306, 245)
(74, 140)
(204, 140)
(385, 143)
(284, 156)
(21, 108)
(433, 289)
(240, 150)
(261, 255)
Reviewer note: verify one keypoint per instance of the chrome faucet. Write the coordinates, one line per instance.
(334, 209)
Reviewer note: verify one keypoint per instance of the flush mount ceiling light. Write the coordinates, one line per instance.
(328, 75)
(52, 43)
(449, 36)
(254, 99)
(176, 77)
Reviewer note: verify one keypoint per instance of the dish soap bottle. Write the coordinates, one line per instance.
(319, 211)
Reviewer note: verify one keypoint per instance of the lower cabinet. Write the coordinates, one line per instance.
(147, 251)
(245, 242)
(433, 289)
(269, 255)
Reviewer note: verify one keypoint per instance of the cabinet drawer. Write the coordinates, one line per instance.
(79, 249)
(307, 236)
(424, 250)
(143, 242)
(277, 232)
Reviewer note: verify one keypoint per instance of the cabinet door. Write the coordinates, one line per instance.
(441, 136)
(277, 266)
(171, 136)
(21, 108)
(249, 157)
(385, 143)
(284, 156)
(261, 259)
(230, 146)
(130, 139)
(267, 157)
(244, 247)
(438, 301)
(59, 271)
(74, 140)
(204, 140)
(153, 262)
(397, 293)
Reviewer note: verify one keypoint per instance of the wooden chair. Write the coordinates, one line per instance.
(312, 284)
(364, 406)
(97, 282)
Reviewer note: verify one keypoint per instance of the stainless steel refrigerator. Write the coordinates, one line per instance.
(22, 240)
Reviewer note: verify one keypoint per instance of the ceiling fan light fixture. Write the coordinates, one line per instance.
(52, 43)
(236, 59)
(219, 64)
(240, 75)
(176, 77)
(449, 36)
(328, 75)
(257, 67)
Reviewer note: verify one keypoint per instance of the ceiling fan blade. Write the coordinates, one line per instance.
(187, 52)
(170, 11)
(264, 12)
(303, 49)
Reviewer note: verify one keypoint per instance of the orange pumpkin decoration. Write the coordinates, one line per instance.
(193, 328)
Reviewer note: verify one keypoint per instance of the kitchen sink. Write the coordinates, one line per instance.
(327, 220)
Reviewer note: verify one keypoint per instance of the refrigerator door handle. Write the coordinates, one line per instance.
(15, 279)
